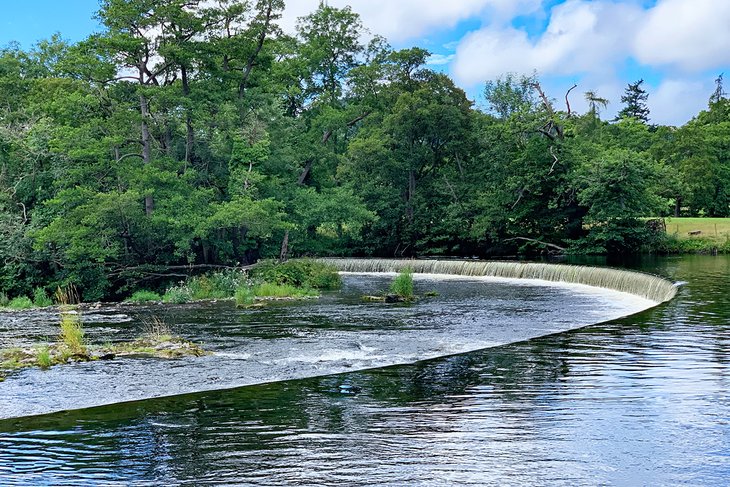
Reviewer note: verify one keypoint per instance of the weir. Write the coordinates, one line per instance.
(647, 286)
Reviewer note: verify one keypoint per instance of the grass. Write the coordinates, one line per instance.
(72, 333)
(143, 296)
(245, 296)
(270, 290)
(20, 303)
(4, 300)
(402, 285)
(714, 229)
(41, 299)
(43, 357)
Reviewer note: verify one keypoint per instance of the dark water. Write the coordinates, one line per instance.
(638, 401)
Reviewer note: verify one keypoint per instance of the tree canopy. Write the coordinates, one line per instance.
(193, 135)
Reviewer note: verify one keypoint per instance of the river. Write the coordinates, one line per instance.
(641, 400)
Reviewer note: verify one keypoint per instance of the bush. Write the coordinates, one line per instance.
(21, 302)
(244, 296)
(141, 297)
(302, 273)
(178, 295)
(41, 299)
(403, 284)
(270, 290)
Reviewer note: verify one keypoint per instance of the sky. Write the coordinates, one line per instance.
(678, 47)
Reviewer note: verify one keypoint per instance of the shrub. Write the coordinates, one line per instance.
(178, 295)
(304, 273)
(244, 296)
(41, 299)
(402, 285)
(21, 302)
(270, 290)
(141, 297)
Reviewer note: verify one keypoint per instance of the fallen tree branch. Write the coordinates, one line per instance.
(557, 247)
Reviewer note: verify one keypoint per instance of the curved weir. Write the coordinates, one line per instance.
(338, 333)
(647, 286)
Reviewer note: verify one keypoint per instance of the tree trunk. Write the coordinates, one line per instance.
(284, 247)
(190, 136)
(149, 203)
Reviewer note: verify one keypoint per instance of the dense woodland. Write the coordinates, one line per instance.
(189, 135)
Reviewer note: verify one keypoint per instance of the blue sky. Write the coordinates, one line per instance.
(677, 46)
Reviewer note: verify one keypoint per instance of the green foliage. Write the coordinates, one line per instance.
(402, 285)
(72, 333)
(244, 296)
(215, 146)
(142, 296)
(4, 300)
(270, 290)
(179, 294)
(43, 357)
(20, 303)
(41, 299)
(300, 273)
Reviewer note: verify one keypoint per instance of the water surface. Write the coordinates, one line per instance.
(638, 401)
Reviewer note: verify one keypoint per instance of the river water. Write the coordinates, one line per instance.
(641, 400)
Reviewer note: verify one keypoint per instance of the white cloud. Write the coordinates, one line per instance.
(689, 34)
(677, 100)
(401, 20)
(581, 37)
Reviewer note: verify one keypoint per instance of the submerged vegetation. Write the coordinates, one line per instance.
(218, 147)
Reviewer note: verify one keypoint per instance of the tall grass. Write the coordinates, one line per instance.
(41, 299)
(43, 357)
(21, 302)
(402, 285)
(72, 333)
(270, 290)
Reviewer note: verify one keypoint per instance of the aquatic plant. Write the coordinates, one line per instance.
(21, 302)
(72, 333)
(43, 357)
(41, 299)
(402, 285)
(156, 329)
(143, 296)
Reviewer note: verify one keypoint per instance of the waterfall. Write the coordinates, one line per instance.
(645, 285)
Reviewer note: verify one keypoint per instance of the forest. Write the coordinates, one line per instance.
(189, 136)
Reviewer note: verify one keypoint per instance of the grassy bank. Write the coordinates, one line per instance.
(269, 281)
(697, 235)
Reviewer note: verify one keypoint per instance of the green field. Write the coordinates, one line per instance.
(717, 229)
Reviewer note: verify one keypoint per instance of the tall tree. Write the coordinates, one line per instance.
(634, 100)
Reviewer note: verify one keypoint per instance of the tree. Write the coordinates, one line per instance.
(719, 93)
(634, 100)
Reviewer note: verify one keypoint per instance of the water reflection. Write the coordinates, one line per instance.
(639, 401)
